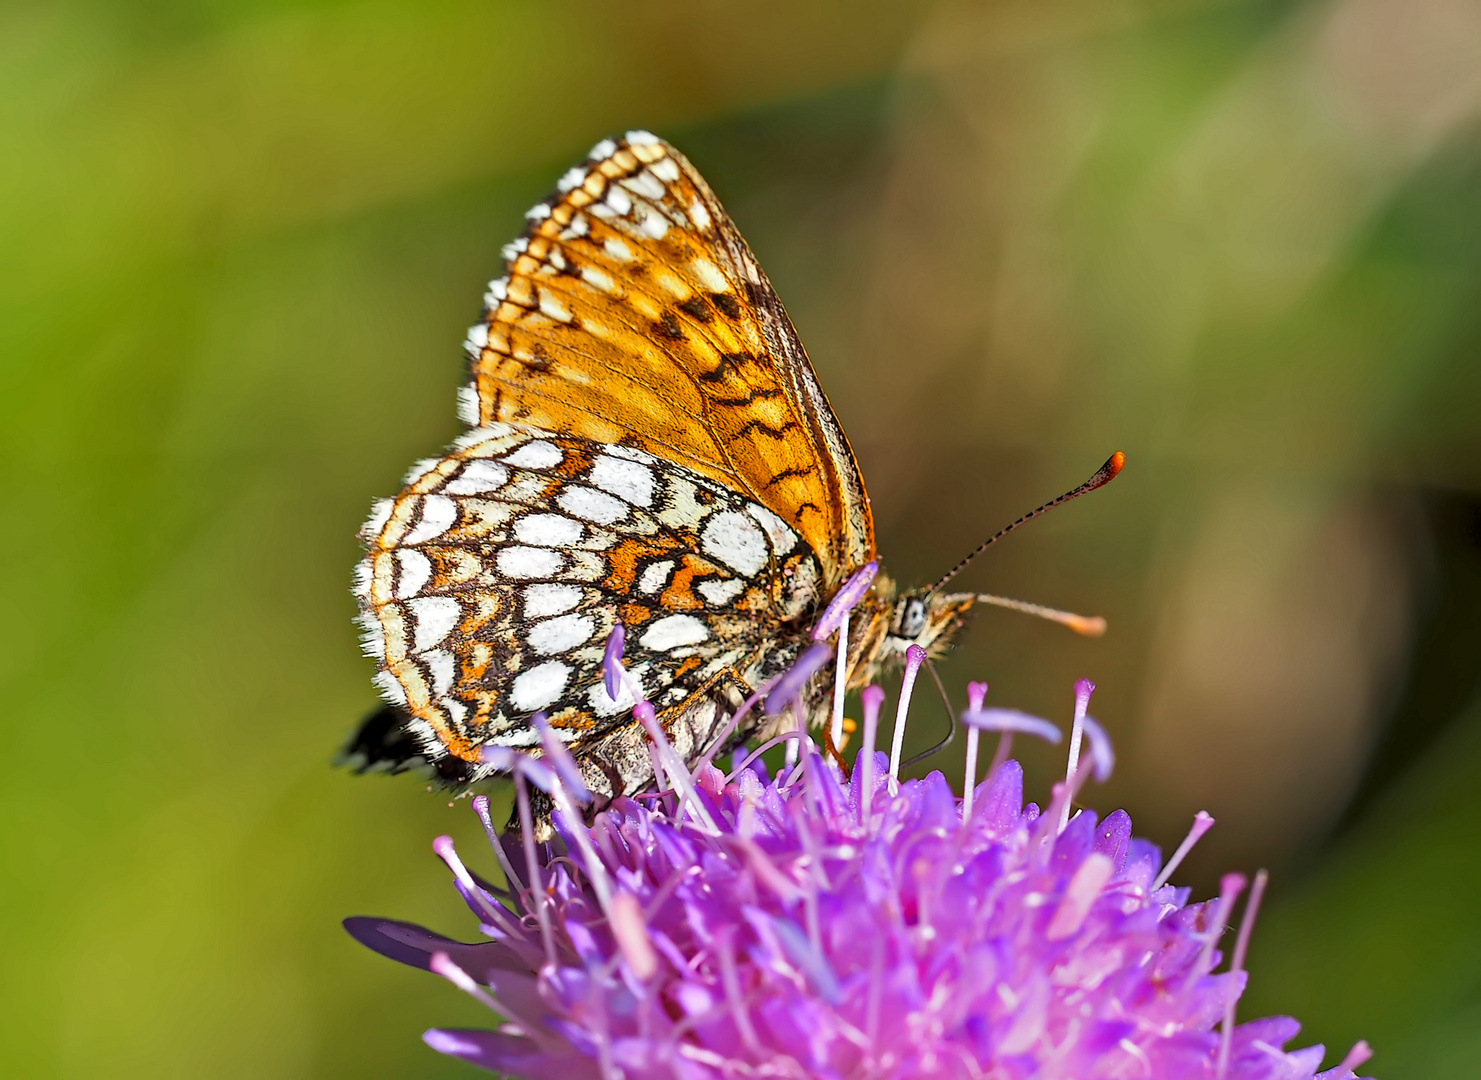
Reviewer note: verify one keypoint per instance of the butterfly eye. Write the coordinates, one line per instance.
(912, 618)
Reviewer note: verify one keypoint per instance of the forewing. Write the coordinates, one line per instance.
(633, 312)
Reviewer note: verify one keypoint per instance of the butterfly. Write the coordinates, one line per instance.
(648, 444)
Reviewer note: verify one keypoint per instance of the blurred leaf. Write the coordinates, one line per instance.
(1382, 939)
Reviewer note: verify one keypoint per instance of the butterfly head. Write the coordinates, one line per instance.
(928, 618)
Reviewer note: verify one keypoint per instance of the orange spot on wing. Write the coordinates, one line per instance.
(634, 614)
(624, 559)
(679, 596)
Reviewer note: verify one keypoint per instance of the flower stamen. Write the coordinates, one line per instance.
(1202, 823)
(442, 964)
(1230, 886)
(1236, 964)
(840, 682)
(448, 853)
(976, 695)
(673, 765)
(1083, 689)
(915, 656)
(1357, 1056)
(873, 699)
(844, 601)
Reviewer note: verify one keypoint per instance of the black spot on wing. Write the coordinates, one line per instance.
(722, 370)
(727, 304)
(776, 432)
(696, 308)
(786, 474)
(668, 327)
(756, 394)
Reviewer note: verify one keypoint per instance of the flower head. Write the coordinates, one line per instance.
(817, 925)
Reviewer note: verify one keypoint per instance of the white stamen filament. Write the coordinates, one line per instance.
(840, 676)
(794, 746)
(481, 808)
(665, 759)
(1083, 690)
(876, 988)
(976, 694)
(442, 964)
(800, 768)
(445, 850)
(673, 765)
(786, 736)
(735, 720)
(601, 884)
(1230, 886)
(1000, 755)
(1236, 963)
(844, 601)
(1359, 1053)
(970, 780)
(1074, 763)
(914, 657)
(766, 871)
(526, 769)
(873, 698)
(1202, 823)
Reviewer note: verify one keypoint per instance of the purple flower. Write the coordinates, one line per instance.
(810, 925)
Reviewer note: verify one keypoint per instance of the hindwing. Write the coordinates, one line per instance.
(491, 584)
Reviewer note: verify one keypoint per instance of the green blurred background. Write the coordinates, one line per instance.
(240, 242)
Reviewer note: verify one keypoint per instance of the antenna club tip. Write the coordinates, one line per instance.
(1107, 472)
(1087, 626)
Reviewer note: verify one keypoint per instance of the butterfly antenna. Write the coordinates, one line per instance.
(950, 721)
(1086, 625)
(1103, 476)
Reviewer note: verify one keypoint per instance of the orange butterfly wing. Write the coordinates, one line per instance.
(634, 313)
